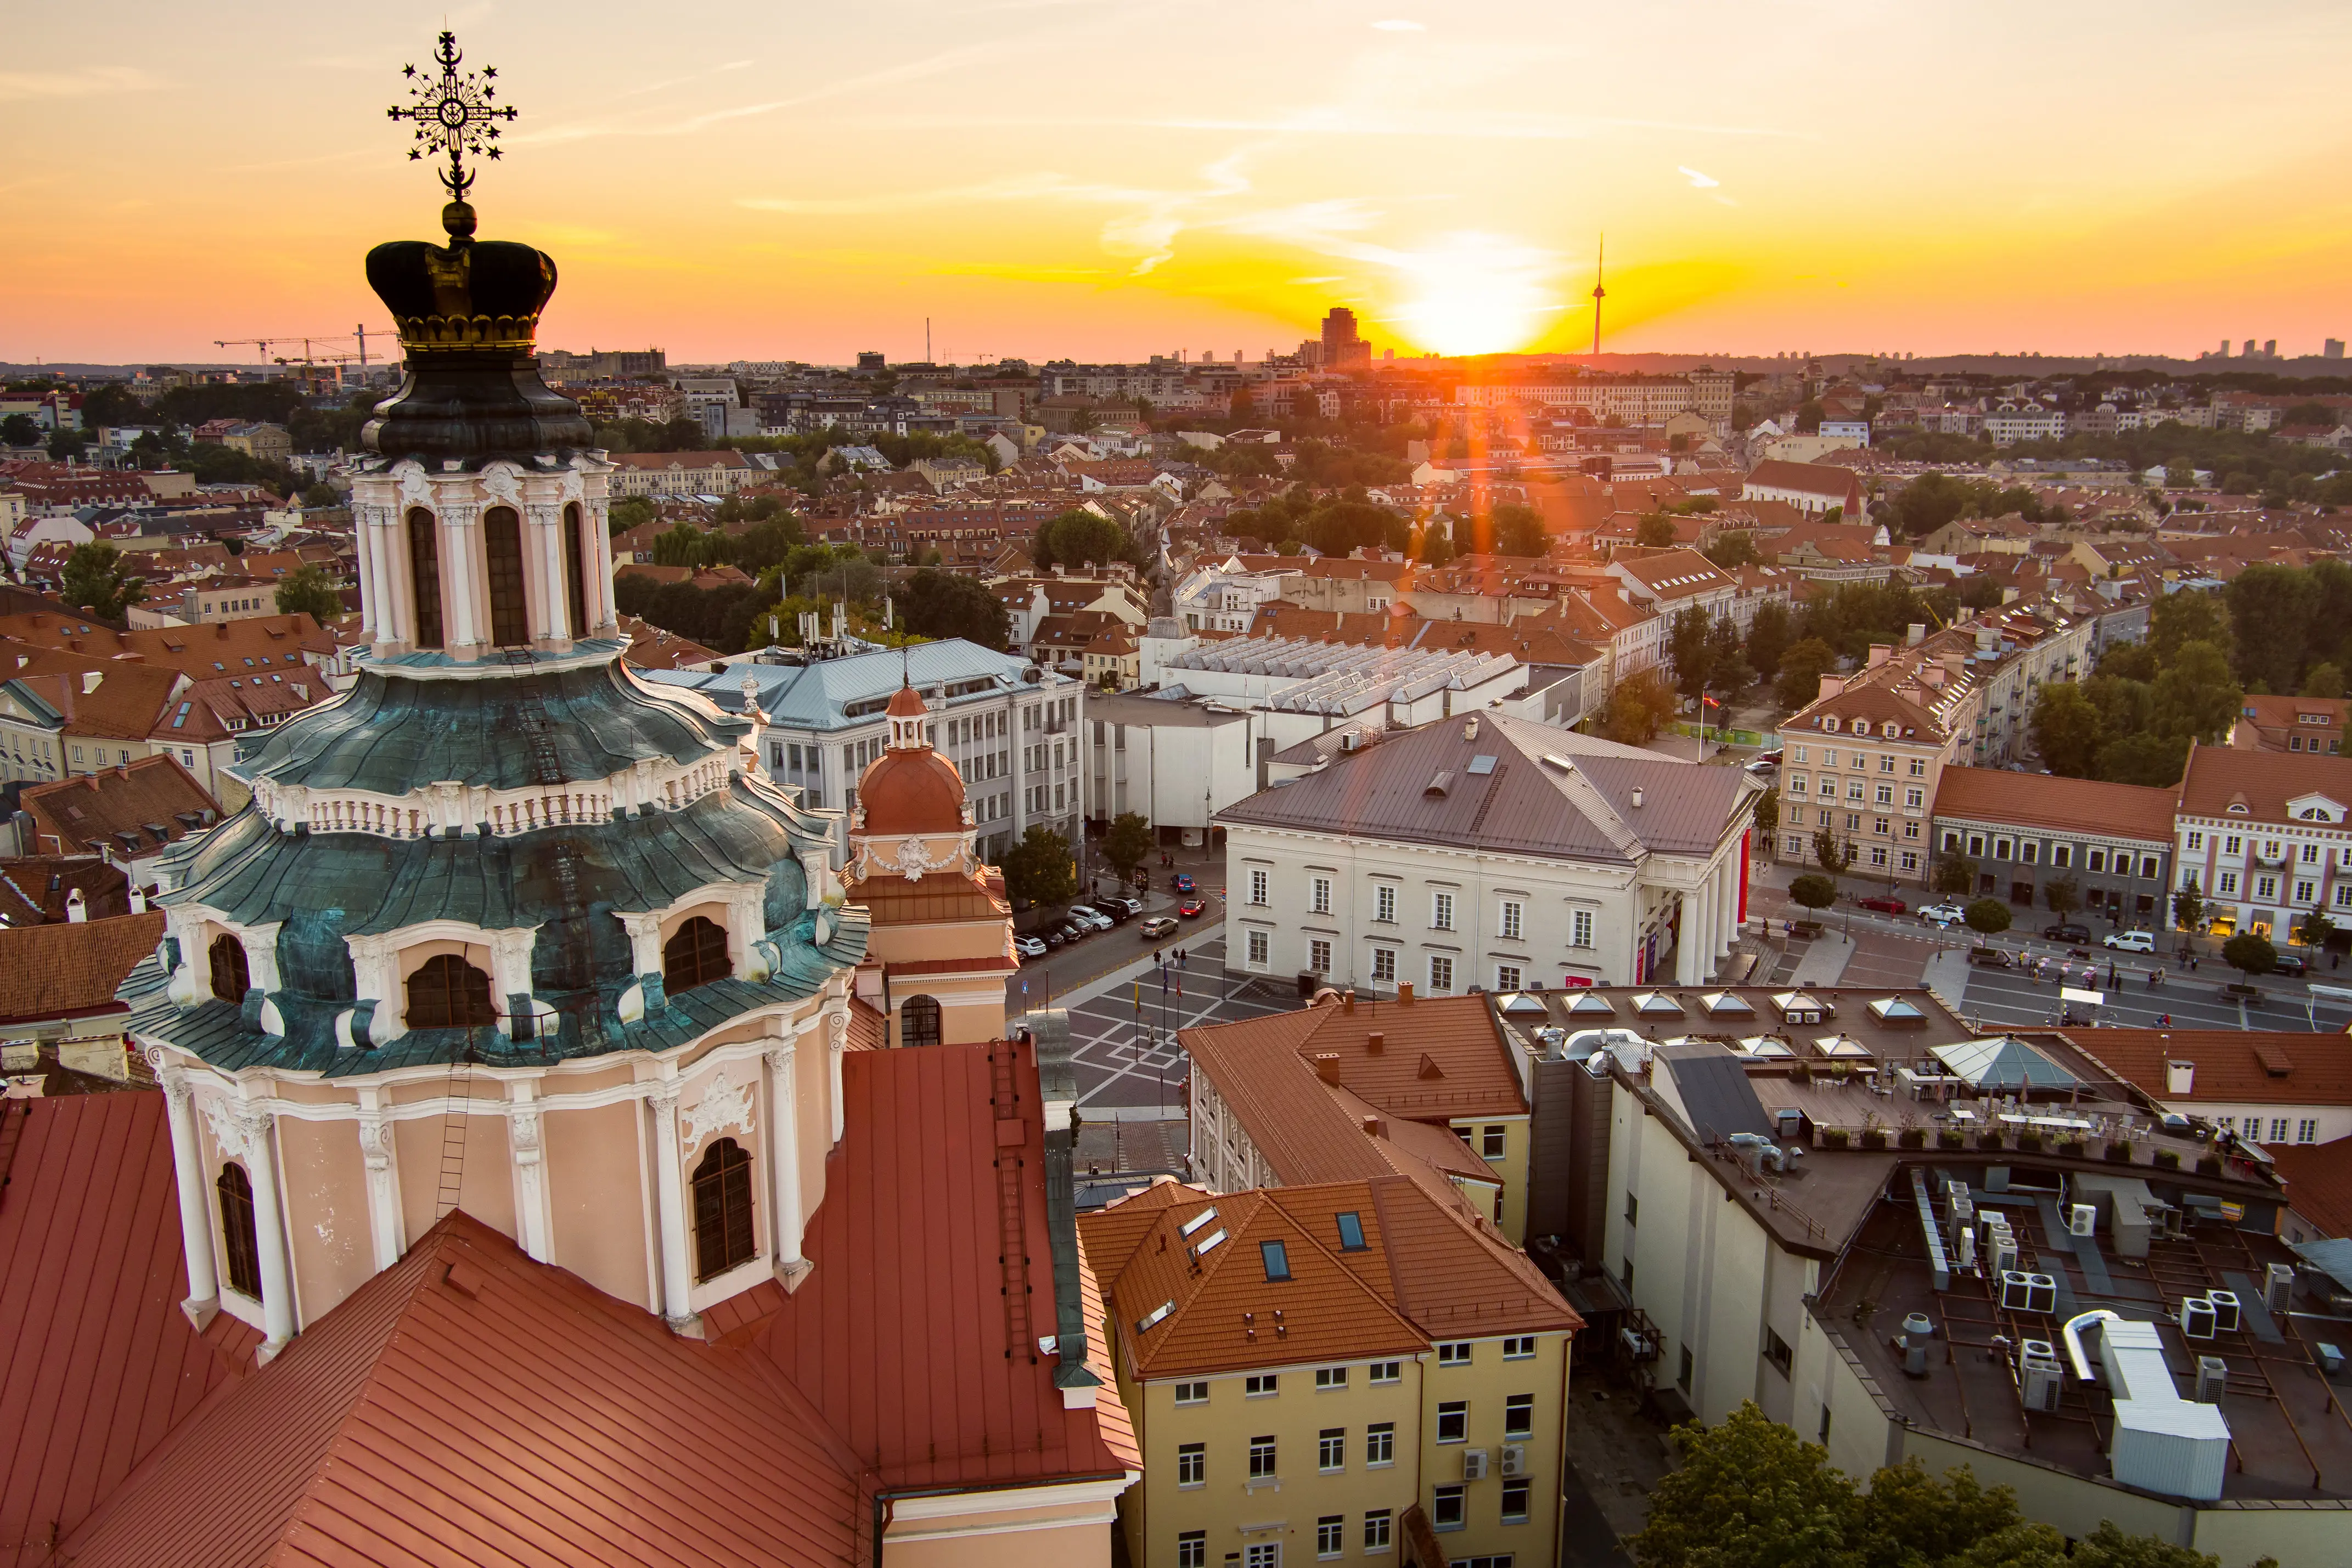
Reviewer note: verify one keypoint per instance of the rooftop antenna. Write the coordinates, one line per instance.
(1598, 293)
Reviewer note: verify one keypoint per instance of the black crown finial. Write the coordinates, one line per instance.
(454, 114)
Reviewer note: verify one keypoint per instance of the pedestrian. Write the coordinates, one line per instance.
(2193, 962)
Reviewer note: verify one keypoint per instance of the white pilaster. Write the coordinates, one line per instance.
(1728, 908)
(784, 1154)
(644, 941)
(1686, 943)
(387, 1226)
(524, 1129)
(837, 1027)
(460, 573)
(196, 1213)
(256, 1134)
(670, 1196)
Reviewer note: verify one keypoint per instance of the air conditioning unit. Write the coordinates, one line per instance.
(2278, 1286)
(2212, 1379)
(1966, 1258)
(2196, 1318)
(2023, 1292)
(1515, 1460)
(2082, 1219)
(2225, 1311)
(1473, 1464)
(2039, 1376)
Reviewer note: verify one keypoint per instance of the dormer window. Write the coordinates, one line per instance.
(695, 955)
(446, 992)
(1830, 723)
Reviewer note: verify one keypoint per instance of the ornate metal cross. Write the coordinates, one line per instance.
(454, 114)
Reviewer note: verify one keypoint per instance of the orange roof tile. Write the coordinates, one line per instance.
(71, 970)
(2044, 800)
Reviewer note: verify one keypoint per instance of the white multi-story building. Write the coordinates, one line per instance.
(1491, 852)
(2265, 836)
(1011, 729)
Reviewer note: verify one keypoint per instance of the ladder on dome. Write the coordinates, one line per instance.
(460, 1085)
(547, 772)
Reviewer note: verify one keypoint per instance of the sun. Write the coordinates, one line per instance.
(1475, 293)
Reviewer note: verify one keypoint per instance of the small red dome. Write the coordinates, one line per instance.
(906, 703)
(913, 792)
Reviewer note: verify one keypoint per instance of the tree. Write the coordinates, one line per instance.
(1655, 531)
(1039, 870)
(1127, 842)
(321, 495)
(1768, 636)
(2323, 680)
(2314, 927)
(1911, 1516)
(942, 604)
(1831, 855)
(95, 581)
(1690, 644)
(1955, 876)
(2066, 730)
(68, 445)
(1987, 917)
(1800, 671)
(1749, 1492)
(2195, 698)
(2250, 954)
(1519, 530)
(630, 512)
(1814, 891)
(1434, 545)
(2189, 907)
(2189, 616)
(679, 545)
(305, 591)
(2063, 894)
(1641, 705)
(2281, 601)
(1727, 668)
(1767, 814)
(1733, 550)
(20, 430)
(1080, 537)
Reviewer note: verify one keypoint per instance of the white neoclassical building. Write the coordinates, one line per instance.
(1491, 852)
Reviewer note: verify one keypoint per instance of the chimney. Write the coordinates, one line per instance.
(77, 907)
(1327, 1065)
(1404, 993)
(1916, 634)
(1880, 652)
(1347, 1000)
(1470, 727)
(1830, 686)
(90, 679)
(1376, 1043)
(2179, 1076)
(1955, 664)
(1637, 796)
(1375, 1127)
(138, 901)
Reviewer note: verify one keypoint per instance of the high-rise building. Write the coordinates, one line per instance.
(1343, 348)
(2333, 351)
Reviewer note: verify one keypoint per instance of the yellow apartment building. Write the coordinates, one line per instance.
(1360, 1372)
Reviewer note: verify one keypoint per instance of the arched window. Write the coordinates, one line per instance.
(446, 992)
(240, 1240)
(918, 1021)
(575, 571)
(425, 575)
(696, 956)
(722, 1210)
(502, 542)
(229, 975)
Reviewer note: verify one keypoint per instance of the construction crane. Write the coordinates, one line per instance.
(260, 346)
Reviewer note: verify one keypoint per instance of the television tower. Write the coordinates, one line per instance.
(1598, 293)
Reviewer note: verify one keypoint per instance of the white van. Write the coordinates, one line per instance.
(2131, 941)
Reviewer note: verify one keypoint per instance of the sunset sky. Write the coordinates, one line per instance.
(1107, 179)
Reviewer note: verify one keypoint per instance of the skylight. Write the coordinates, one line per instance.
(1209, 1243)
(1351, 1231)
(1152, 1319)
(1278, 1259)
(1197, 1221)
(1482, 763)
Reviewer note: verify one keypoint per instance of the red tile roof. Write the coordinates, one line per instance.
(471, 1406)
(2234, 1067)
(2219, 777)
(2040, 800)
(71, 970)
(101, 1364)
(913, 1335)
(2318, 1182)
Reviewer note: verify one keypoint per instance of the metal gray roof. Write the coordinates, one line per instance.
(1714, 1091)
(1578, 805)
(812, 697)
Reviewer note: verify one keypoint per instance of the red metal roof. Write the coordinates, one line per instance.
(471, 1406)
(101, 1364)
(903, 1335)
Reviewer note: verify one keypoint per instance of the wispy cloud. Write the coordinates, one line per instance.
(1698, 181)
(81, 82)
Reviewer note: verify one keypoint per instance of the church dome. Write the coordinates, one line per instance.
(909, 792)
(911, 789)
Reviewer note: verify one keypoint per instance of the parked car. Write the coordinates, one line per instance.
(1991, 957)
(1029, 946)
(1113, 905)
(1882, 906)
(1083, 916)
(1191, 907)
(1153, 929)
(1942, 913)
(2067, 932)
(2130, 941)
(2290, 964)
(1181, 882)
(1054, 935)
